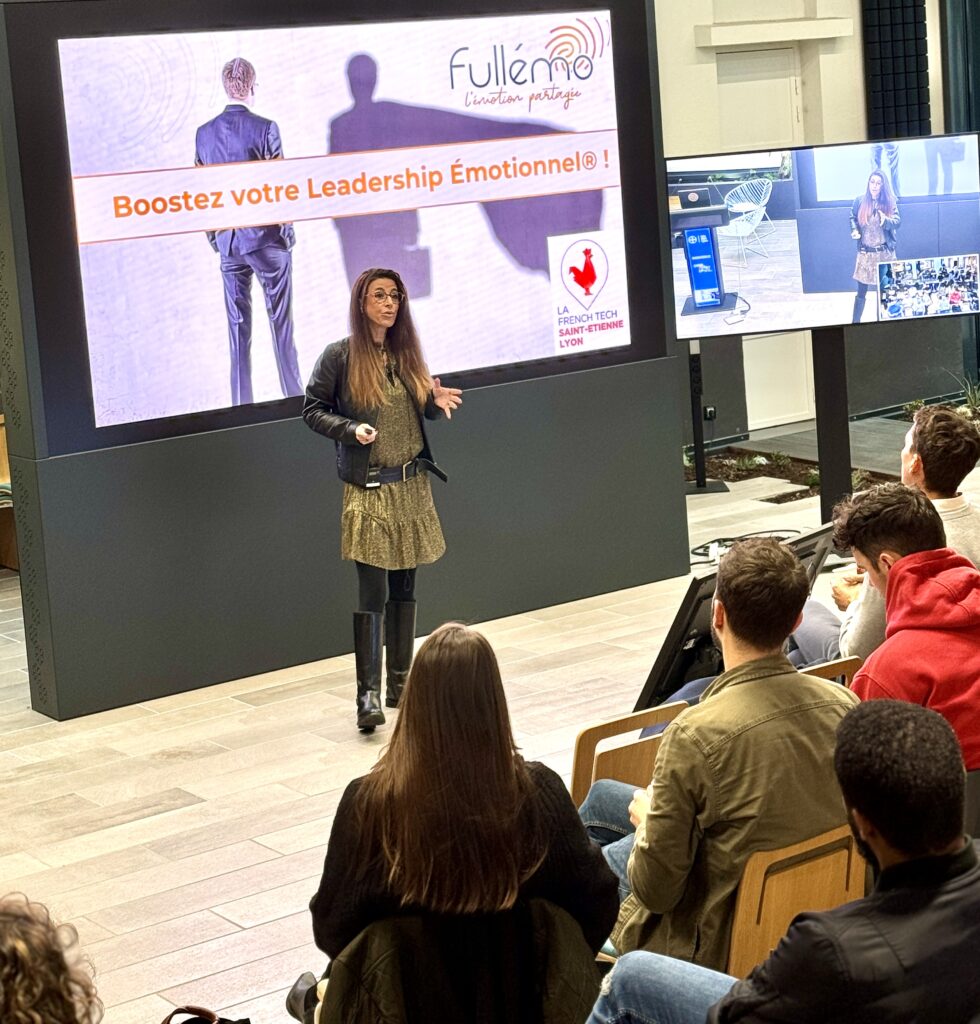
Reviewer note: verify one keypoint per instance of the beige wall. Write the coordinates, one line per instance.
(832, 71)
(688, 78)
(935, 40)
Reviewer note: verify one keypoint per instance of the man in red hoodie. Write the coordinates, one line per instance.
(931, 653)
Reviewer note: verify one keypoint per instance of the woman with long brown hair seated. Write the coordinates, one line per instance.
(452, 820)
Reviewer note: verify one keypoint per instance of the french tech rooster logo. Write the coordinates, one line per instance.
(584, 278)
(584, 271)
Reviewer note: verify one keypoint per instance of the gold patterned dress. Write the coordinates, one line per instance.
(394, 526)
(866, 264)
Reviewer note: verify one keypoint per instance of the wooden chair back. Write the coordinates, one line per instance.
(846, 667)
(817, 874)
(631, 762)
(971, 824)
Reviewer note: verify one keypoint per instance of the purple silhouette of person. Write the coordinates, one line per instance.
(521, 226)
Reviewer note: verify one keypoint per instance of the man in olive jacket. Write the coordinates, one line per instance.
(907, 952)
(749, 768)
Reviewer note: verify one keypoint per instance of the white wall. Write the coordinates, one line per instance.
(832, 71)
(934, 37)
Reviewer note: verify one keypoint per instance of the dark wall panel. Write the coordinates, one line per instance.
(178, 563)
(959, 226)
(723, 376)
(890, 364)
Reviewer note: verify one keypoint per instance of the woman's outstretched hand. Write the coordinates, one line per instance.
(446, 399)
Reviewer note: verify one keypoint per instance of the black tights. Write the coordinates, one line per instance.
(371, 586)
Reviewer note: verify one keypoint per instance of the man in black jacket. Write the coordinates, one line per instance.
(906, 952)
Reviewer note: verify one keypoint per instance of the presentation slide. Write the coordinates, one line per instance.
(826, 236)
(230, 186)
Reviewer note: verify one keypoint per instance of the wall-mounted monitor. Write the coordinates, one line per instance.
(204, 195)
(825, 236)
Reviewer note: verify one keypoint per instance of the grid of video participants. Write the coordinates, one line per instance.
(943, 286)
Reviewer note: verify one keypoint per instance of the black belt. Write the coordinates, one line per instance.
(875, 248)
(378, 475)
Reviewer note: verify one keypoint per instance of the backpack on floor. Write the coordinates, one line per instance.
(198, 1015)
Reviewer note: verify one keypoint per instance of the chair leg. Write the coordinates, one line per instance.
(761, 251)
(743, 260)
(772, 227)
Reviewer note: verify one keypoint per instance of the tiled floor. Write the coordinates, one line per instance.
(184, 837)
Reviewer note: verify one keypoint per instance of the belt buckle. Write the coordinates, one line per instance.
(405, 466)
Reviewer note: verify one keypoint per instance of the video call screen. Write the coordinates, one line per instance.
(796, 239)
(219, 235)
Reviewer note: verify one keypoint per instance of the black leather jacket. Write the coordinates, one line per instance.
(889, 227)
(906, 954)
(329, 410)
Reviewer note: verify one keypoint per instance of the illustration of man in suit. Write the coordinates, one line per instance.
(237, 135)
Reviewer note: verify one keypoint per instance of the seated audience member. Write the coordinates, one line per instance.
(749, 768)
(941, 447)
(907, 952)
(43, 978)
(452, 820)
(931, 655)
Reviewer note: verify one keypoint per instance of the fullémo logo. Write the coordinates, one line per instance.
(571, 52)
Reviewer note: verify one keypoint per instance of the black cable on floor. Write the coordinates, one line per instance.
(726, 542)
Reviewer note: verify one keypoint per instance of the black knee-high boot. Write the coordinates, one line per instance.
(858, 311)
(399, 641)
(367, 659)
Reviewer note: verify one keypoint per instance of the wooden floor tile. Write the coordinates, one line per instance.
(112, 952)
(251, 980)
(148, 1010)
(202, 960)
(209, 893)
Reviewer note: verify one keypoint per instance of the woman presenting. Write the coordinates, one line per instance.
(874, 225)
(369, 393)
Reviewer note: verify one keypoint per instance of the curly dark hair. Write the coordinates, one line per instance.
(900, 765)
(43, 979)
(888, 517)
(948, 445)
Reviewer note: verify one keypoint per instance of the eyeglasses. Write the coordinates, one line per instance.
(379, 297)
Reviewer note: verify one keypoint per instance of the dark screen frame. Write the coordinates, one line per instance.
(803, 179)
(32, 32)
(689, 635)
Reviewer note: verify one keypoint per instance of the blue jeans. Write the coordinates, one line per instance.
(691, 692)
(606, 816)
(818, 637)
(647, 988)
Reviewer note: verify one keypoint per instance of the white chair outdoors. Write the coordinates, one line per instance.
(747, 206)
(743, 228)
(754, 192)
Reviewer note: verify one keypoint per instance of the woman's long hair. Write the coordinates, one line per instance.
(42, 978)
(366, 365)
(886, 199)
(449, 806)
